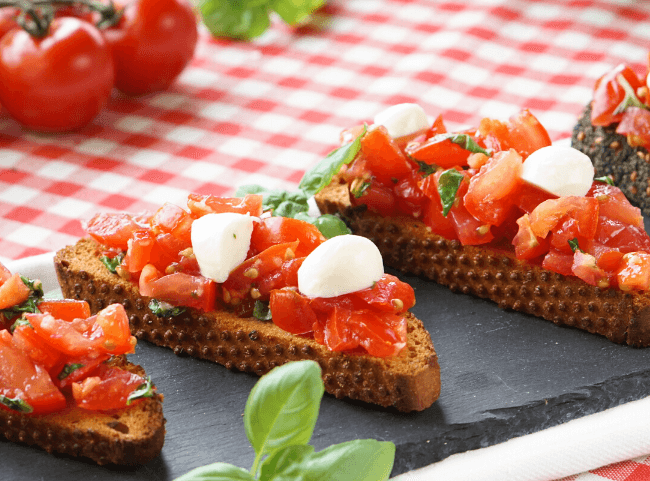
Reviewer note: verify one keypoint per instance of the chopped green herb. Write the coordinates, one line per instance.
(112, 263)
(16, 404)
(69, 369)
(605, 179)
(359, 188)
(427, 169)
(281, 202)
(30, 305)
(321, 175)
(573, 243)
(630, 100)
(35, 285)
(448, 185)
(261, 311)
(164, 309)
(464, 140)
(20, 322)
(145, 389)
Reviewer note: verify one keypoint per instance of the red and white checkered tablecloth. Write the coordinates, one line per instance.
(263, 112)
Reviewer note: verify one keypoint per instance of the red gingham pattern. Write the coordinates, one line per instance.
(265, 111)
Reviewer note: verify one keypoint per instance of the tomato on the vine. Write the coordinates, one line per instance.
(58, 82)
(151, 44)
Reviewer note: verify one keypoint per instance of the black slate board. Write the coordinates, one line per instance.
(504, 374)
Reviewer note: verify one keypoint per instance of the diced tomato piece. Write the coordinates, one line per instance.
(389, 294)
(523, 132)
(22, 379)
(377, 197)
(114, 324)
(112, 230)
(34, 346)
(607, 258)
(433, 216)
(624, 237)
(262, 272)
(585, 267)
(138, 253)
(338, 334)
(527, 244)
(4, 273)
(438, 127)
(529, 196)
(201, 205)
(290, 271)
(608, 95)
(443, 153)
(74, 369)
(569, 230)
(384, 159)
(489, 197)
(635, 124)
(179, 288)
(634, 273)
(614, 204)
(551, 213)
(13, 292)
(348, 135)
(174, 220)
(409, 196)
(291, 311)
(279, 230)
(66, 309)
(166, 250)
(559, 262)
(381, 336)
(107, 390)
(61, 335)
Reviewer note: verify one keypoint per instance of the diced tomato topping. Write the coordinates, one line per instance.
(634, 273)
(523, 132)
(607, 258)
(380, 336)
(489, 196)
(389, 294)
(74, 369)
(443, 153)
(66, 309)
(608, 95)
(179, 288)
(624, 237)
(34, 346)
(409, 197)
(529, 196)
(585, 267)
(113, 230)
(338, 334)
(384, 159)
(13, 291)
(4, 273)
(553, 212)
(21, 379)
(635, 124)
(438, 127)
(527, 244)
(172, 219)
(108, 389)
(279, 230)
(614, 205)
(559, 262)
(291, 311)
(377, 197)
(138, 253)
(201, 205)
(433, 216)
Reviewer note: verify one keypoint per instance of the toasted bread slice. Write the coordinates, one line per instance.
(408, 245)
(409, 381)
(612, 155)
(130, 436)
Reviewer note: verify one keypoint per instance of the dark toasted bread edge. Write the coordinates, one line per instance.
(408, 245)
(131, 436)
(409, 381)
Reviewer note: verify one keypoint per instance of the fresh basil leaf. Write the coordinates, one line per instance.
(145, 389)
(573, 243)
(16, 404)
(34, 285)
(321, 175)
(261, 311)
(217, 472)
(20, 322)
(448, 185)
(112, 263)
(31, 304)
(165, 309)
(241, 19)
(282, 408)
(360, 460)
(69, 369)
(331, 226)
(283, 459)
(426, 169)
(295, 11)
(281, 202)
(606, 179)
(464, 140)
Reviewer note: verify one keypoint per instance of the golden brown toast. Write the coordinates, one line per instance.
(409, 381)
(409, 245)
(130, 436)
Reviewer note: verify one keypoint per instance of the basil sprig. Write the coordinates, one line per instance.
(630, 99)
(464, 140)
(247, 19)
(30, 305)
(448, 185)
(16, 404)
(573, 244)
(145, 389)
(262, 311)
(606, 179)
(112, 263)
(279, 419)
(164, 309)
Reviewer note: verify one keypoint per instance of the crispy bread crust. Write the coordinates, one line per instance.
(130, 436)
(409, 381)
(408, 245)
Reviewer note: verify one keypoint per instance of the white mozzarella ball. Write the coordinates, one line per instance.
(562, 171)
(403, 119)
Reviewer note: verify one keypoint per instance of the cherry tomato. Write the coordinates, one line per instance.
(443, 153)
(59, 82)
(152, 43)
(34, 346)
(614, 205)
(624, 237)
(433, 216)
(21, 378)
